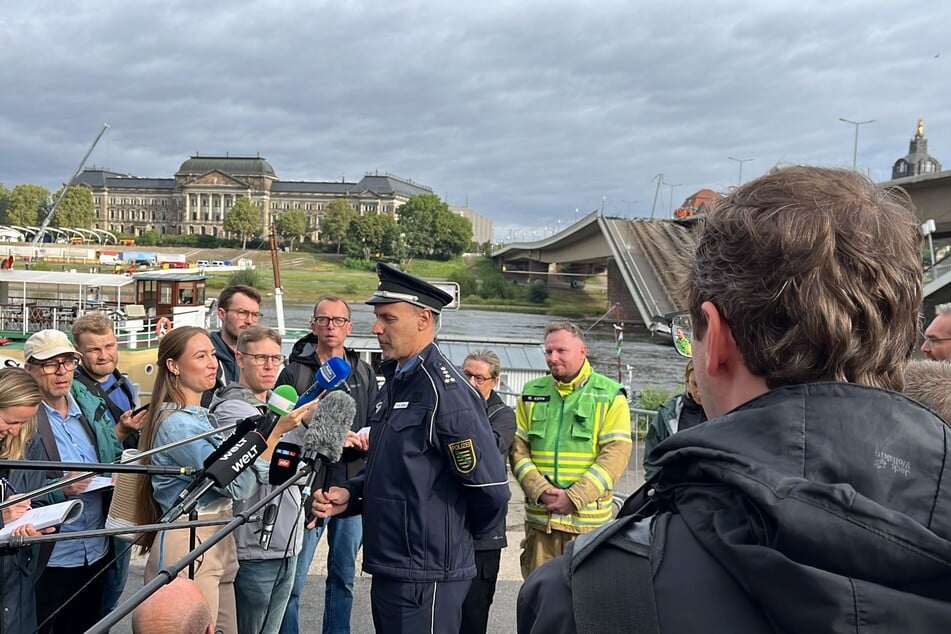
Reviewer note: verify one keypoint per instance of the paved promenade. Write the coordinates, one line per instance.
(501, 617)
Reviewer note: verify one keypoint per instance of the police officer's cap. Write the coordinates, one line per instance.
(397, 286)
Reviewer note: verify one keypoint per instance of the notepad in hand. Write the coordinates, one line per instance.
(46, 516)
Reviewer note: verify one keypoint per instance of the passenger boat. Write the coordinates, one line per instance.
(144, 306)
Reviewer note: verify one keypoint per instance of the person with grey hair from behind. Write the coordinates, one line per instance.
(177, 608)
(937, 336)
(929, 383)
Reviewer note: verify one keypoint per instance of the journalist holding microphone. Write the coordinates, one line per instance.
(186, 368)
(19, 399)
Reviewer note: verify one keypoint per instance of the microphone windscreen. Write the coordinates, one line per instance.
(282, 400)
(332, 373)
(329, 426)
(284, 463)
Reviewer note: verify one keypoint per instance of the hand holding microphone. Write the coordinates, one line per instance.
(325, 437)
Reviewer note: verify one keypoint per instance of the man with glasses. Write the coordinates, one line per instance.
(70, 588)
(265, 576)
(817, 498)
(330, 326)
(572, 443)
(239, 308)
(937, 343)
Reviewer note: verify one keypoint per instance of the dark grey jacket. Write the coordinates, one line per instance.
(502, 420)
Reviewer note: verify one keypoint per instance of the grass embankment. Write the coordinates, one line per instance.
(307, 276)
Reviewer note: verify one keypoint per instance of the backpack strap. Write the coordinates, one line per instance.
(618, 555)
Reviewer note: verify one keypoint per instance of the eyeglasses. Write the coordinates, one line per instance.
(478, 379)
(244, 313)
(339, 322)
(262, 359)
(51, 367)
(681, 332)
(933, 340)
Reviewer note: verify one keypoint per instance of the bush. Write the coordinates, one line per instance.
(359, 264)
(652, 397)
(248, 277)
(537, 292)
(466, 281)
(497, 287)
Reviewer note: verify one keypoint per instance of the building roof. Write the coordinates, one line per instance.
(111, 180)
(311, 187)
(237, 165)
(388, 184)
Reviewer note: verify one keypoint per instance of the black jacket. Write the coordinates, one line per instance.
(434, 477)
(502, 420)
(227, 367)
(18, 566)
(815, 508)
(362, 385)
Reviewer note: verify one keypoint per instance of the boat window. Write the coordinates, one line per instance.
(186, 294)
(165, 294)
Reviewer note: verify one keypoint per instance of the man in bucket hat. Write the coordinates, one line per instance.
(434, 478)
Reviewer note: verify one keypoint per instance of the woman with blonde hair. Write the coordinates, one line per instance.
(186, 368)
(19, 399)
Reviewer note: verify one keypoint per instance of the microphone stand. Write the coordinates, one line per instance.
(20, 541)
(167, 574)
(59, 484)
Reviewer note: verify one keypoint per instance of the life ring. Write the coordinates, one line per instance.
(162, 326)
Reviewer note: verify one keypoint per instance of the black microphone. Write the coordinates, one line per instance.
(270, 517)
(284, 463)
(222, 472)
(325, 437)
(330, 374)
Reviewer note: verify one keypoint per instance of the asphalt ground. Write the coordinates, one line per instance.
(501, 616)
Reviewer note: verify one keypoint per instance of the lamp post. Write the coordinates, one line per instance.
(739, 181)
(855, 147)
(927, 228)
(672, 185)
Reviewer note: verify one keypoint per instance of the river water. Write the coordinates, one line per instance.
(644, 362)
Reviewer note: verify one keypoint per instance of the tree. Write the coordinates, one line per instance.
(25, 204)
(368, 235)
(4, 200)
(290, 225)
(76, 210)
(417, 223)
(335, 223)
(244, 219)
(453, 236)
(430, 229)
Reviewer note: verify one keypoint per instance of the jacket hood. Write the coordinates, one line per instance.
(303, 351)
(838, 491)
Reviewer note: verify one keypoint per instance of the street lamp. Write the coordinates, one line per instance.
(855, 147)
(739, 180)
(672, 185)
(927, 228)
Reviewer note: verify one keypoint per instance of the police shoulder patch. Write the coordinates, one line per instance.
(463, 455)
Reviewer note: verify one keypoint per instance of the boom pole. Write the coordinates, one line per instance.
(82, 163)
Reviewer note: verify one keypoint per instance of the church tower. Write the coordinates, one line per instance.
(917, 161)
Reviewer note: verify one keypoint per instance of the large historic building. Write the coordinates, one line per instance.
(204, 188)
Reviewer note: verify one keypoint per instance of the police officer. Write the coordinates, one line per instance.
(434, 478)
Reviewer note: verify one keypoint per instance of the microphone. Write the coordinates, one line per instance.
(279, 403)
(246, 435)
(270, 517)
(330, 374)
(325, 437)
(284, 463)
(220, 473)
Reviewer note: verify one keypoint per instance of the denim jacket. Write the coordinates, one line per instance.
(184, 422)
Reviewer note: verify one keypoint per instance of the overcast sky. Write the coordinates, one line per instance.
(528, 110)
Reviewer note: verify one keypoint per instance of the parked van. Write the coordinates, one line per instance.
(217, 263)
(202, 264)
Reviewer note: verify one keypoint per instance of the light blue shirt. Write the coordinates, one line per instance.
(185, 422)
(74, 443)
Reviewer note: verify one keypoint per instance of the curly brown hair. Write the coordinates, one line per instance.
(818, 273)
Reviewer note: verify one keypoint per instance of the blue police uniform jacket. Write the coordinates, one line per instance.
(434, 477)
